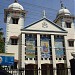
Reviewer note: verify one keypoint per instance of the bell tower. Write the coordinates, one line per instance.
(66, 20)
(14, 17)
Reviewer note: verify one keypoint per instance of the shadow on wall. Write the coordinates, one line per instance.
(3, 72)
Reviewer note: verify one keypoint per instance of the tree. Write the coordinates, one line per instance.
(1, 41)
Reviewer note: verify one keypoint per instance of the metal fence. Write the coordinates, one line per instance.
(23, 71)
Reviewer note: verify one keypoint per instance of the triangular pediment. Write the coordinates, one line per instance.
(44, 25)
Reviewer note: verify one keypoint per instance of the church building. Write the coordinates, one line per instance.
(42, 47)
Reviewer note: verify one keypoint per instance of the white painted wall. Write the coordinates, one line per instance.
(13, 30)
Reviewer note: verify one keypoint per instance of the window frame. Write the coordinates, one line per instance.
(68, 24)
(71, 43)
(15, 20)
(14, 41)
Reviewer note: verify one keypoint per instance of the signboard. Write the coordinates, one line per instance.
(6, 60)
(30, 48)
(45, 52)
(59, 48)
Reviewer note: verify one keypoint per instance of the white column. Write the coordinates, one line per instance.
(53, 55)
(39, 53)
(74, 39)
(7, 37)
(23, 52)
(67, 55)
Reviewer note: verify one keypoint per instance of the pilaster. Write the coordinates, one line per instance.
(23, 51)
(67, 55)
(39, 54)
(53, 55)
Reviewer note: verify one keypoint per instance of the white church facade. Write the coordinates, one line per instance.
(42, 45)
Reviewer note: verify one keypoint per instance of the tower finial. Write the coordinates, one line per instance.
(61, 4)
(44, 14)
(15, 1)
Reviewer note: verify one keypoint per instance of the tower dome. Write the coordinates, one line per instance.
(63, 11)
(15, 6)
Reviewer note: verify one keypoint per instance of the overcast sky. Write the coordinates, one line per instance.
(35, 8)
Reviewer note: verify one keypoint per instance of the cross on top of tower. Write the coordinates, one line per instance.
(16, 1)
(44, 14)
(61, 4)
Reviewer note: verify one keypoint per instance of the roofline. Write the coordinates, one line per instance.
(47, 20)
(44, 31)
(6, 12)
(63, 16)
(34, 23)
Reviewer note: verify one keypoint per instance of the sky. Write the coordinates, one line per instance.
(35, 9)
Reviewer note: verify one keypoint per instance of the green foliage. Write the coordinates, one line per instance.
(1, 41)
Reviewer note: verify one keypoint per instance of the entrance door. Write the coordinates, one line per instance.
(61, 69)
(47, 69)
(44, 69)
(31, 69)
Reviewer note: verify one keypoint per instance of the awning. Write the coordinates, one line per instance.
(71, 39)
(13, 37)
(15, 60)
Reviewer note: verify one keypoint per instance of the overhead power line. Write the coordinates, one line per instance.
(38, 6)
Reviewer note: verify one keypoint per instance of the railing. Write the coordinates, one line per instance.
(23, 71)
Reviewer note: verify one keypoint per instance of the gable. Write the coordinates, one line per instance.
(44, 25)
